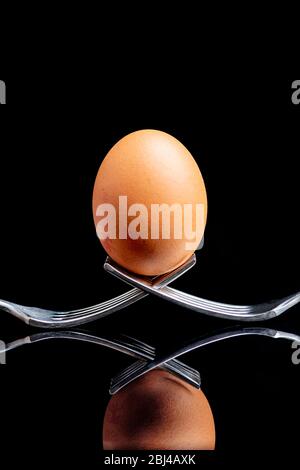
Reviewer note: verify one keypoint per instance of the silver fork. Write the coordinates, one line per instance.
(138, 369)
(55, 319)
(125, 344)
(259, 312)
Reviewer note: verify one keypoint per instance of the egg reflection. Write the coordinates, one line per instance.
(159, 411)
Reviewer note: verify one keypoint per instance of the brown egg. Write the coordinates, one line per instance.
(159, 412)
(150, 167)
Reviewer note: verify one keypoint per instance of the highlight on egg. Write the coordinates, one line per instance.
(149, 203)
(159, 411)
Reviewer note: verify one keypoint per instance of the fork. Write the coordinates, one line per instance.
(259, 312)
(139, 368)
(125, 344)
(143, 286)
(55, 319)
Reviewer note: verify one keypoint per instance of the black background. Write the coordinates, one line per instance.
(244, 134)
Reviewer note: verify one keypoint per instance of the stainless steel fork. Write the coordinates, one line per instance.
(142, 287)
(260, 312)
(55, 319)
(138, 369)
(124, 344)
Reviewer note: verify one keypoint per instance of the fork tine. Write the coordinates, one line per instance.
(147, 348)
(172, 365)
(176, 367)
(182, 370)
(127, 372)
(68, 320)
(103, 306)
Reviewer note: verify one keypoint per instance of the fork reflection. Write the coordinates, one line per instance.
(124, 344)
(126, 376)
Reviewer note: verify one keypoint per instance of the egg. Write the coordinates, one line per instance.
(148, 174)
(159, 411)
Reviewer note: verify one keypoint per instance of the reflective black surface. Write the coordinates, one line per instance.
(246, 143)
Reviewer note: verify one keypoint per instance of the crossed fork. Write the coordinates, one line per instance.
(146, 354)
(143, 286)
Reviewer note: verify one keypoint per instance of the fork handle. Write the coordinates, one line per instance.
(245, 313)
(12, 308)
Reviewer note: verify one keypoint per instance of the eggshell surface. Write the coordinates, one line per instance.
(149, 167)
(159, 411)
